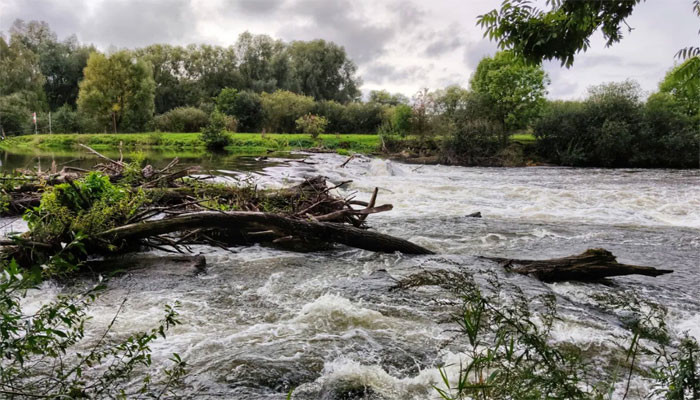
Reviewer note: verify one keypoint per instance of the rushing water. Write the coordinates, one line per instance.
(260, 321)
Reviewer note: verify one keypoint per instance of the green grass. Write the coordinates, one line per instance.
(523, 138)
(242, 143)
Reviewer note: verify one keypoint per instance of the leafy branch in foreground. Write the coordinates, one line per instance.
(510, 354)
(43, 355)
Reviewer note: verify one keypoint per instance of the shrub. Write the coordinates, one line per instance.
(472, 141)
(312, 124)
(362, 117)
(65, 120)
(214, 135)
(247, 109)
(181, 119)
(282, 108)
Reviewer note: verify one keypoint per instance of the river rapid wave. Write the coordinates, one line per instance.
(260, 321)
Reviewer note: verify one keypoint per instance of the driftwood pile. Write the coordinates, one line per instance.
(185, 208)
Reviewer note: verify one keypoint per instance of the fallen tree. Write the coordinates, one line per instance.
(591, 265)
(121, 207)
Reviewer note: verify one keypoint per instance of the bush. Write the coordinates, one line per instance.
(282, 108)
(214, 135)
(246, 107)
(312, 124)
(181, 119)
(613, 128)
(334, 112)
(65, 120)
(472, 142)
(362, 118)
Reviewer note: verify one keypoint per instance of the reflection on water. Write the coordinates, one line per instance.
(11, 160)
(262, 321)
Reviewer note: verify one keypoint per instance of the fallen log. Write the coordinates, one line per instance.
(591, 265)
(259, 221)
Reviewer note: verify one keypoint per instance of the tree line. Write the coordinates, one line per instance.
(260, 84)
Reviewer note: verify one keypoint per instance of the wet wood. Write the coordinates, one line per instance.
(257, 221)
(591, 265)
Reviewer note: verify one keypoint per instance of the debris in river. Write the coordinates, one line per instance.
(591, 265)
(474, 215)
(120, 207)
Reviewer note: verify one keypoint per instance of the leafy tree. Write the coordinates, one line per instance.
(385, 98)
(118, 90)
(515, 88)
(559, 33)
(323, 71)
(214, 135)
(423, 109)
(564, 30)
(282, 108)
(263, 65)
(226, 101)
(312, 124)
(60, 62)
(246, 107)
(19, 71)
(174, 76)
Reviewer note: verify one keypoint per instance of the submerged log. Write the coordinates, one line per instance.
(258, 221)
(591, 265)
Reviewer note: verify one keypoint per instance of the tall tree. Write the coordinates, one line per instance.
(263, 66)
(515, 89)
(323, 71)
(118, 91)
(60, 62)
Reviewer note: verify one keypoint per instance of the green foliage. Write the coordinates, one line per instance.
(87, 207)
(613, 128)
(282, 108)
(246, 107)
(510, 354)
(181, 119)
(387, 99)
(515, 89)
(323, 71)
(558, 33)
(312, 124)
(117, 91)
(362, 117)
(683, 87)
(226, 101)
(41, 357)
(214, 135)
(65, 120)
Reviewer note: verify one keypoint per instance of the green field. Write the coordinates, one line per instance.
(242, 143)
(523, 138)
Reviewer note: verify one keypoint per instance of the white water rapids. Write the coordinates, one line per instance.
(260, 321)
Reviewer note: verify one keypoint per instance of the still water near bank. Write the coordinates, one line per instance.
(261, 321)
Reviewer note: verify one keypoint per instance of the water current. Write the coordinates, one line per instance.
(260, 321)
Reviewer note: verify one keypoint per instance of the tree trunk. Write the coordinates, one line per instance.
(591, 265)
(257, 221)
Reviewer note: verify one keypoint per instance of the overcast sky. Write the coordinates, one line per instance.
(398, 45)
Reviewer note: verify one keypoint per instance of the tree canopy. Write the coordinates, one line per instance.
(515, 89)
(117, 91)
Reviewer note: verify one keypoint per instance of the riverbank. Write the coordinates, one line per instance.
(242, 143)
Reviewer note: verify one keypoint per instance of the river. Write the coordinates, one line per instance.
(260, 321)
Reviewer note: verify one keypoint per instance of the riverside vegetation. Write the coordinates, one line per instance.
(240, 88)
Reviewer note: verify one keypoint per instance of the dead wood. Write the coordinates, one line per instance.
(243, 221)
(591, 265)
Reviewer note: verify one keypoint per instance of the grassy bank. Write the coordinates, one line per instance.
(243, 143)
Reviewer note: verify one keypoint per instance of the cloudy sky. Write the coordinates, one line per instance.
(398, 45)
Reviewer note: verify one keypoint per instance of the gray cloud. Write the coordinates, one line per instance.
(394, 42)
(137, 23)
(344, 22)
